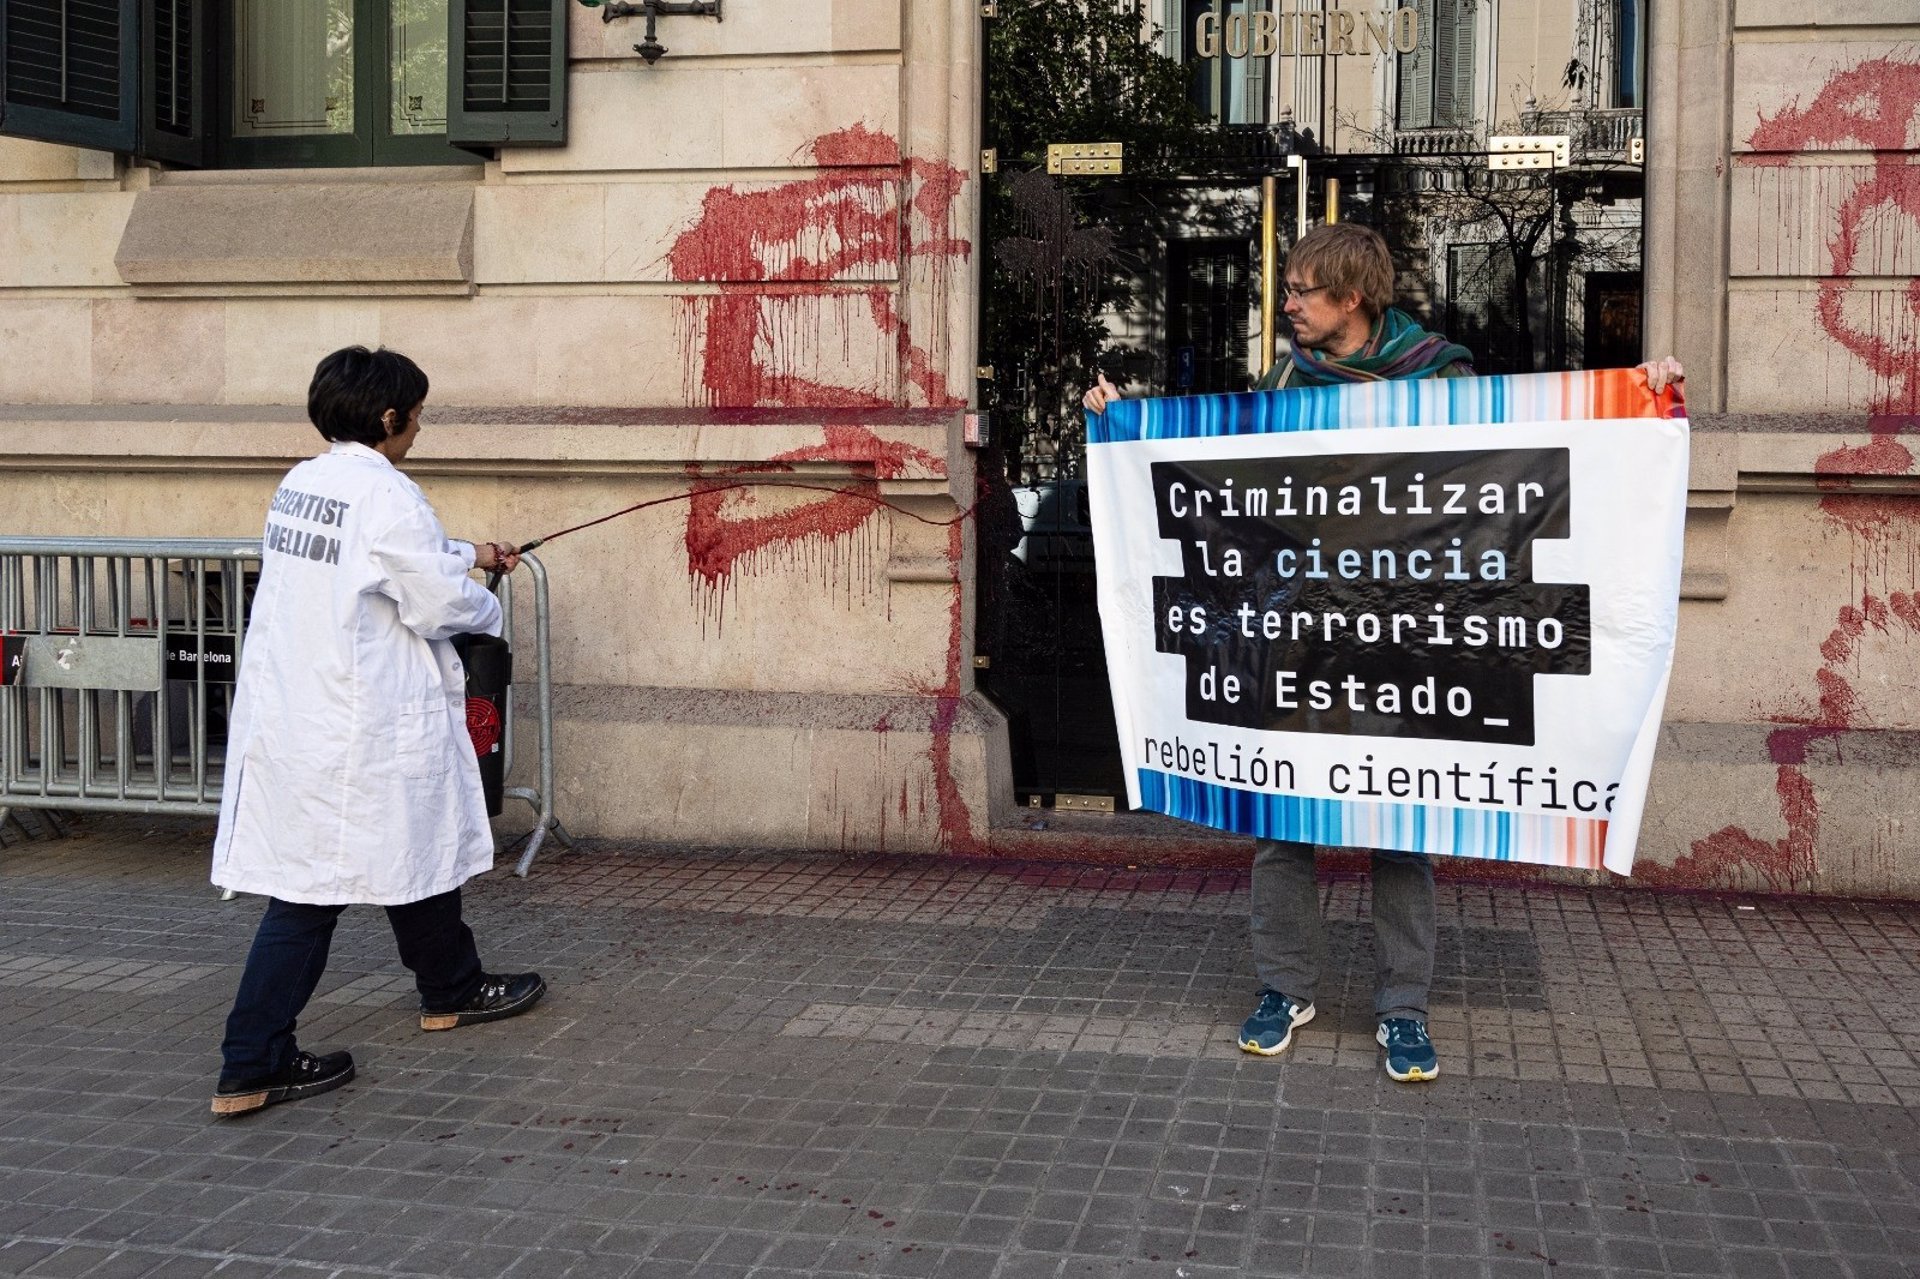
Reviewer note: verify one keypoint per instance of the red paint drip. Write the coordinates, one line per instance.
(956, 833)
(720, 538)
(1792, 862)
(787, 260)
(1872, 106)
(718, 542)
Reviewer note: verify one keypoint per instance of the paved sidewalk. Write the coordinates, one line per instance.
(773, 1065)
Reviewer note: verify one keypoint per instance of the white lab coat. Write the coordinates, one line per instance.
(350, 775)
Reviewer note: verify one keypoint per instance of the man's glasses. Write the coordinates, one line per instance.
(1303, 290)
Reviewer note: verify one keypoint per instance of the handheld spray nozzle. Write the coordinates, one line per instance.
(493, 578)
(706, 488)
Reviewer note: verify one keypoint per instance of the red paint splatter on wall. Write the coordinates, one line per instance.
(729, 528)
(1873, 106)
(1792, 862)
(816, 281)
(855, 146)
(821, 256)
(1880, 527)
(792, 262)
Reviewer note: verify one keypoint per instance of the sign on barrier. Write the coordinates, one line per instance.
(130, 663)
(216, 654)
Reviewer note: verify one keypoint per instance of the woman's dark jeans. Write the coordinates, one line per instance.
(290, 952)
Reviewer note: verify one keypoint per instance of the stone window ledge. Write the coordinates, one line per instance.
(290, 233)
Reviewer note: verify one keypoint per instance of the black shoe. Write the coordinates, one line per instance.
(499, 997)
(305, 1076)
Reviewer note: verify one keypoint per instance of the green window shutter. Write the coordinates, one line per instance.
(507, 72)
(175, 101)
(1453, 65)
(68, 71)
(1254, 110)
(1415, 109)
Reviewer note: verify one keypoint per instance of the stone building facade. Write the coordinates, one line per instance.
(756, 259)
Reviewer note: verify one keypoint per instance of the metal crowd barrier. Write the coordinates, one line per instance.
(117, 662)
(541, 795)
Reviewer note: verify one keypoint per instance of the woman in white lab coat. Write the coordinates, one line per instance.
(350, 774)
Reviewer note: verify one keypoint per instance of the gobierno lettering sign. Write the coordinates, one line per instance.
(1306, 33)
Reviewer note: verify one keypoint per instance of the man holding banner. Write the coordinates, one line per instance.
(1325, 590)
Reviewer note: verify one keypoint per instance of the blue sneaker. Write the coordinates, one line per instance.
(1410, 1055)
(1270, 1029)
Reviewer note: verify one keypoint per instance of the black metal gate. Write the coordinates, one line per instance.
(1150, 279)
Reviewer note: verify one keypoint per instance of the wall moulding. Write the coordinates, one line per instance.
(903, 454)
(1814, 455)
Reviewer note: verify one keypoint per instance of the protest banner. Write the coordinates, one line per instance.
(1433, 615)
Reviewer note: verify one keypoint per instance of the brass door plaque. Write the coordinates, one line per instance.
(1084, 803)
(1084, 159)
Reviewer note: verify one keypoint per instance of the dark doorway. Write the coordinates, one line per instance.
(1481, 310)
(1613, 320)
(1208, 296)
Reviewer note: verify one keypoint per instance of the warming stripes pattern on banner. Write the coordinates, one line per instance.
(1531, 397)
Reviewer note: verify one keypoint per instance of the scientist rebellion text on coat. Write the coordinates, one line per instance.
(350, 770)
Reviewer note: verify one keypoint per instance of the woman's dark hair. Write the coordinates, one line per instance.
(354, 387)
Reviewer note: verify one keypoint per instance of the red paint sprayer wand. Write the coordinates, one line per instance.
(702, 490)
(489, 661)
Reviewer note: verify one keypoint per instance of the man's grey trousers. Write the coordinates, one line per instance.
(1290, 938)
